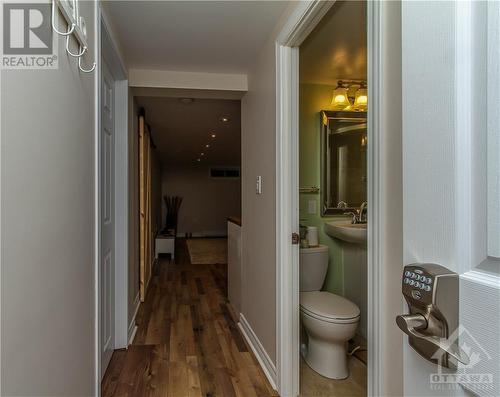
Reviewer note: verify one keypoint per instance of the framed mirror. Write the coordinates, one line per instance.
(343, 161)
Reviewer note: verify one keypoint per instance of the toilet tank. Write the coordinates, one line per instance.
(313, 264)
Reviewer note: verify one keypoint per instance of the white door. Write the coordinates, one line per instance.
(107, 200)
(451, 178)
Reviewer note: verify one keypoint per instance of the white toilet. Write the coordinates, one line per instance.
(329, 320)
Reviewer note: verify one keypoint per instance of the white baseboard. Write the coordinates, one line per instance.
(260, 353)
(132, 327)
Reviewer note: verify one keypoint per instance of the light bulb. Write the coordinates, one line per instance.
(339, 99)
(363, 99)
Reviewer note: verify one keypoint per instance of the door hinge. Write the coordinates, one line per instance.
(295, 238)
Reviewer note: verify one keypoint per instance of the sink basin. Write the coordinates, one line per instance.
(346, 231)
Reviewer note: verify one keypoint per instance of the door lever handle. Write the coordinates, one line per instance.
(411, 323)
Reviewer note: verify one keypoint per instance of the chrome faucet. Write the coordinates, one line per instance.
(354, 217)
(359, 215)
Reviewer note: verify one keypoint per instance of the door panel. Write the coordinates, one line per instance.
(107, 192)
(445, 149)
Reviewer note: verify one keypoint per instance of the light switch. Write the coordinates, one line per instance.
(258, 185)
(311, 207)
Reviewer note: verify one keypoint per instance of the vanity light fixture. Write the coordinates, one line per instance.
(350, 95)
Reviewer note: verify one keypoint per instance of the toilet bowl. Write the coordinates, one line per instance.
(329, 320)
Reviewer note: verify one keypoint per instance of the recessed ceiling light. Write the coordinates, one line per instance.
(224, 119)
(202, 154)
(207, 145)
(198, 159)
(213, 135)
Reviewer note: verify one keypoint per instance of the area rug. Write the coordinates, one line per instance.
(207, 251)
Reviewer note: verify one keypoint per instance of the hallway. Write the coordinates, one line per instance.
(187, 343)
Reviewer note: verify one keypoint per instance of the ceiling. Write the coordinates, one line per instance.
(336, 48)
(197, 36)
(180, 131)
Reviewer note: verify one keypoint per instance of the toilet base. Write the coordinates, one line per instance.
(327, 359)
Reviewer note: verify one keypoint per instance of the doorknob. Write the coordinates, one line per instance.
(410, 324)
(431, 292)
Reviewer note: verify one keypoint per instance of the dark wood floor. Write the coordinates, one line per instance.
(187, 343)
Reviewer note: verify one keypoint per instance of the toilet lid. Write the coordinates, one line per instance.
(328, 305)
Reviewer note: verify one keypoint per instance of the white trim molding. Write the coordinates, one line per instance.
(385, 198)
(121, 213)
(287, 296)
(258, 350)
(132, 327)
(375, 198)
(97, 208)
(301, 22)
(187, 80)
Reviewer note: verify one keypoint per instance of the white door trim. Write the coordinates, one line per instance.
(300, 23)
(106, 49)
(375, 200)
(97, 219)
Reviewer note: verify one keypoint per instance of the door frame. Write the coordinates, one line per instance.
(107, 51)
(384, 225)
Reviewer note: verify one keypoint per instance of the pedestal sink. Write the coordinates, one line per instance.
(347, 231)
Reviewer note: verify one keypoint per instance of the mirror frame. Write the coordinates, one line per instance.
(325, 117)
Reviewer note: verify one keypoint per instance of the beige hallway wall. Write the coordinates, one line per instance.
(207, 202)
(258, 158)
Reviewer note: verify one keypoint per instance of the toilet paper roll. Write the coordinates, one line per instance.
(312, 236)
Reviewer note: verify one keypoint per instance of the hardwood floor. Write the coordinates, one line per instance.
(187, 343)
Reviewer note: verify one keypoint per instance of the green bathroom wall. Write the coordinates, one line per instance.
(313, 99)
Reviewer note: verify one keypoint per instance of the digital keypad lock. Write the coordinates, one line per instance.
(431, 292)
(418, 280)
(418, 283)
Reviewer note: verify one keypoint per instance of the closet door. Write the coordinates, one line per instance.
(107, 217)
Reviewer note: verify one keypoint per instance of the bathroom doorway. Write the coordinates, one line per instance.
(329, 182)
(333, 206)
